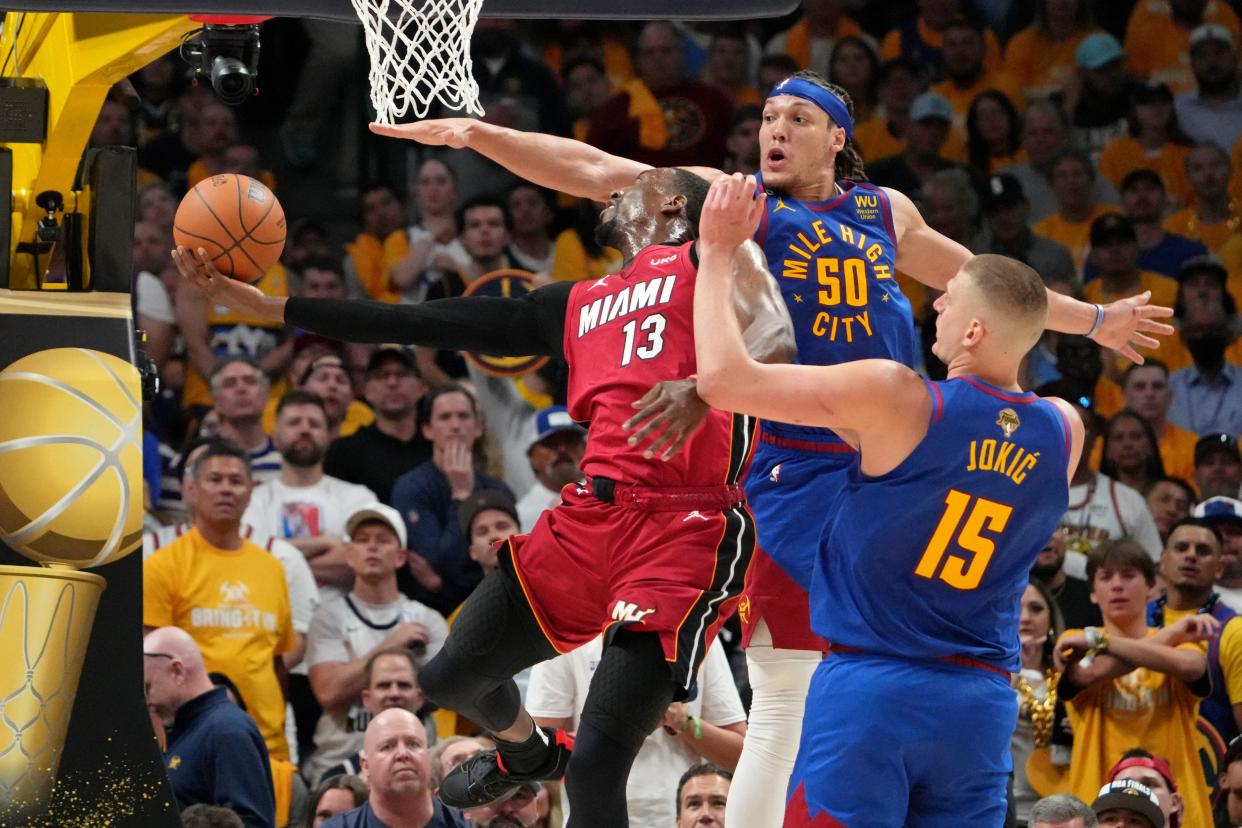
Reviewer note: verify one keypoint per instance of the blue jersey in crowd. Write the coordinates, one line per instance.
(930, 560)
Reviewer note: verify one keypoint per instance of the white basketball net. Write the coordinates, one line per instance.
(420, 53)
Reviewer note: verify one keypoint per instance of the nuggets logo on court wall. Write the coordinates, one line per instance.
(506, 283)
(1008, 421)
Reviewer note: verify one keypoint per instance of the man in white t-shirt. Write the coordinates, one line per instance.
(1101, 508)
(347, 630)
(555, 450)
(302, 504)
(710, 727)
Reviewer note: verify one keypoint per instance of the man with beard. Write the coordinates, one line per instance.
(376, 455)
(655, 536)
(1072, 595)
(554, 456)
(1191, 564)
(211, 576)
(303, 505)
(518, 811)
(398, 770)
(1207, 396)
(1213, 112)
(1210, 219)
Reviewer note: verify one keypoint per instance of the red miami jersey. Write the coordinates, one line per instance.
(623, 334)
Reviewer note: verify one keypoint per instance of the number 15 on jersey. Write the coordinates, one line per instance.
(980, 515)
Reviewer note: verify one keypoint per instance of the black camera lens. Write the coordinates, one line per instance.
(231, 80)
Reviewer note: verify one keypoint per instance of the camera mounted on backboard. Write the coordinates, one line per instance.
(228, 55)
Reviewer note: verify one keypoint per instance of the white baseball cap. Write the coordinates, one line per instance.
(377, 511)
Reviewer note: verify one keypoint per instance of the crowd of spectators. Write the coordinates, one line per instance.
(318, 509)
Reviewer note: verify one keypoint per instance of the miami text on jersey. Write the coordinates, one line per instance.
(630, 299)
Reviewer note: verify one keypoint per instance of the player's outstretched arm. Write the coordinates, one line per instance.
(855, 397)
(529, 325)
(551, 161)
(933, 259)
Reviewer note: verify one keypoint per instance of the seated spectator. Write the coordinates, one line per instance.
(1212, 113)
(1045, 136)
(1210, 219)
(391, 679)
(1127, 804)
(239, 391)
(884, 133)
(348, 630)
(328, 378)
(1131, 454)
(531, 211)
(1225, 515)
(435, 252)
(1229, 806)
(1207, 394)
(930, 119)
(810, 41)
(1101, 508)
(1149, 392)
(1041, 57)
(375, 455)
(1062, 811)
(521, 810)
(743, 141)
(587, 89)
(1071, 594)
(1205, 283)
(555, 454)
(964, 52)
(1190, 565)
(772, 70)
(1169, 500)
(1218, 466)
(701, 795)
(322, 278)
(921, 39)
(308, 241)
(399, 779)
(1039, 626)
(951, 206)
(448, 753)
(227, 592)
(662, 117)
(1154, 140)
(855, 67)
(217, 131)
(1144, 203)
(1100, 100)
(215, 754)
(302, 504)
(728, 65)
(710, 727)
(487, 518)
(1008, 232)
(1158, 37)
(1140, 766)
(210, 816)
(1073, 177)
(428, 497)
(596, 40)
(335, 795)
(993, 133)
(1133, 687)
(381, 243)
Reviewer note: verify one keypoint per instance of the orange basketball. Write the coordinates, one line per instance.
(237, 220)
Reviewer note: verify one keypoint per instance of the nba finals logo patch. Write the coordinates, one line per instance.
(1008, 421)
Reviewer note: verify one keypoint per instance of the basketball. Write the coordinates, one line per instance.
(237, 220)
(71, 457)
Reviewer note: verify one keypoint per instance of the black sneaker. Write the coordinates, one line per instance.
(483, 779)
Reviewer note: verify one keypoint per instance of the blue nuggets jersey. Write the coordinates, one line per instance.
(835, 261)
(930, 560)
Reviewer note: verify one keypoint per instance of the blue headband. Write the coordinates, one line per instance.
(821, 97)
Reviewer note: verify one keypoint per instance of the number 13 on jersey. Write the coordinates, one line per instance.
(980, 514)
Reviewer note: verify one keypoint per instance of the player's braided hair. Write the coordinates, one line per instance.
(849, 162)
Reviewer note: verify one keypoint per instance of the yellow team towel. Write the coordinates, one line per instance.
(652, 131)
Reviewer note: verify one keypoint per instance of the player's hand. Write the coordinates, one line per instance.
(675, 407)
(204, 277)
(423, 572)
(731, 212)
(1193, 629)
(436, 132)
(674, 720)
(1127, 323)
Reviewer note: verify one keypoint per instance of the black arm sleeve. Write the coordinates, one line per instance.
(530, 325)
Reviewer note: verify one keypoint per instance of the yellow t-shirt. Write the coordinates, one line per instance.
(1124, 155)
(1176, 447)
(235, 334)
(570, 262)
(1146, 708)
(372, 258)
(1042, 65)
(1075, 235)
(1186, 222)
(890, 47)
(1231, 254)
(1159, 49)
(962, 97)
(875, 142)
(235, 605)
